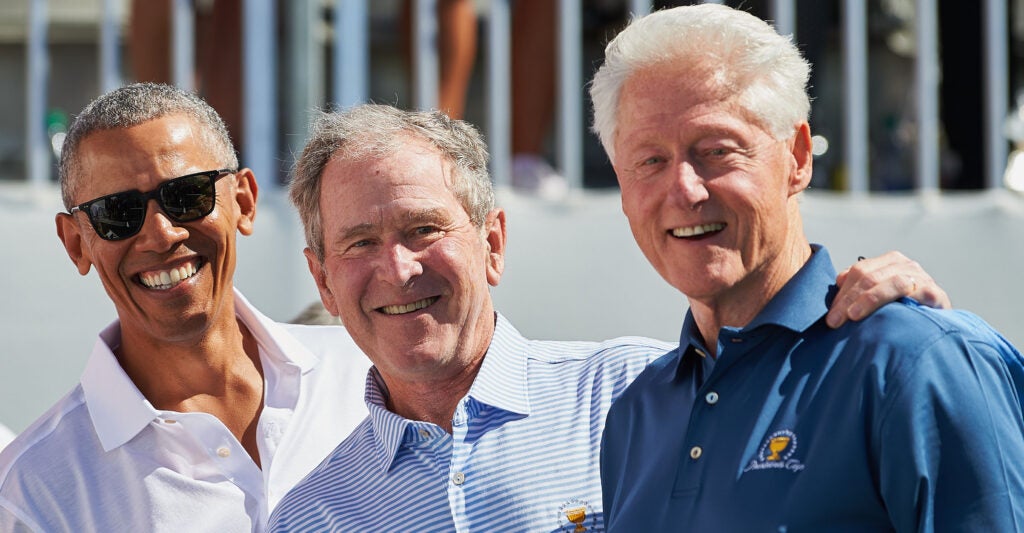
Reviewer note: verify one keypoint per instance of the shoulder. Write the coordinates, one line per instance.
(603, 352)
(332, 344)
(908, 328)
(912, 354)
(658, 372)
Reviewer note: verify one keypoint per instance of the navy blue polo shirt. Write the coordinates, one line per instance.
(909, 420)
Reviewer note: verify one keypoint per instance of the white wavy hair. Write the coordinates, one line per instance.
(743, 53)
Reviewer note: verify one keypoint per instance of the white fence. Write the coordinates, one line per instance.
(350, 71)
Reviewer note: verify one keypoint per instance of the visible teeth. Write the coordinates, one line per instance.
(407, 308)
(699, 229)
(166, 279)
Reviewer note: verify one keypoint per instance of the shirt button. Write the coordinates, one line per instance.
(736, 340)
(459, 478)
(170, 421)
(696, 452)
(424, 433)
(700, 353)
(711, 398)
(223, 451)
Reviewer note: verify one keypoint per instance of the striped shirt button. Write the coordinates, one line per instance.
(459, 478)
(696, 452)
(711, 398)
(424, 433)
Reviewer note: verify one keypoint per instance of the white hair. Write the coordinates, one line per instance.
(743, 54)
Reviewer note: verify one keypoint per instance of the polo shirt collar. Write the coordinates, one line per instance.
(502, 380)
(118, 409)
(388, 428)
(500, 383)
(803, 300)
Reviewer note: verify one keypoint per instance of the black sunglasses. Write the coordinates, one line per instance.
(120, 215)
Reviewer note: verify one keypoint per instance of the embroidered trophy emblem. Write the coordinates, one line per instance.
(575, 515)
(776, 453)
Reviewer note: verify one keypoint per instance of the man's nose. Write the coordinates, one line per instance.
(158, 232)
(399, 265)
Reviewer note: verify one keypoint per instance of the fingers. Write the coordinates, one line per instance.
(872, 283)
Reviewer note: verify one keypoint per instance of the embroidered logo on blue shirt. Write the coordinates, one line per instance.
(575, 515)
(777, 453)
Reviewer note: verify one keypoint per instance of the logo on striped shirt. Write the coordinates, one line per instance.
(576, 516)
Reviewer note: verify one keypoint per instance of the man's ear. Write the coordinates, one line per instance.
(316, 269)
(70, 233)
(246, 191)
(495, 239)
(801, 150)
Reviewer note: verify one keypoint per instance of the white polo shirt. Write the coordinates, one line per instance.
(104, 459)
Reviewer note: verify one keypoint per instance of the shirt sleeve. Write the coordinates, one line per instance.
(950, 438)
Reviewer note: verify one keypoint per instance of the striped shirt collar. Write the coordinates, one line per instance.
(501, 384)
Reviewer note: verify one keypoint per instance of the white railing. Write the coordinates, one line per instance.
(351, 71)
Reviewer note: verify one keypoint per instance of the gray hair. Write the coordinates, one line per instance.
(746, 57)
(130, 106)
(374, 130)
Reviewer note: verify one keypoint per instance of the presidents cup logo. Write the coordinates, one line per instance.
(576, 516)
(777, 453)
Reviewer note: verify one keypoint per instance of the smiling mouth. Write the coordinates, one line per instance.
(407, 308)
(163, 280)
(699, 230)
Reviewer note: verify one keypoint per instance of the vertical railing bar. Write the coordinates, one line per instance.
(426, 71)
(183, 34)
(570, 92)
(259, 97)
(36, 63)
(927, 88)
(110, 38)
(351, 52)
(855, 57)
(639, 8)
(499, 97)
(784, 17)
(996, 90)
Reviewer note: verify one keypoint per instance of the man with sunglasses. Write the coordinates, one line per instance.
(194, 411)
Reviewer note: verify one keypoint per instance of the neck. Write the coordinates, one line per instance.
(432, 401)
(218, 372)
(739, 304)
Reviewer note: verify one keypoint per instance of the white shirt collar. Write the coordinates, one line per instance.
(118, 409)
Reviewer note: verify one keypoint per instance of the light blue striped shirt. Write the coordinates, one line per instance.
(523, 455)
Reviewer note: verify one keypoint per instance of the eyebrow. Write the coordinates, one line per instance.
(435, 215)
(352, 232)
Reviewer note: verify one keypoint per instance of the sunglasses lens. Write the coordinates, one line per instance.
(117, 216)
(188, 198)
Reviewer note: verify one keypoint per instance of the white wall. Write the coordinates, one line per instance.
(572, 271)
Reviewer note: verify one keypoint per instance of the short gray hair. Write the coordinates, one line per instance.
(747, 57)
(130, 106)
(373, 130)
